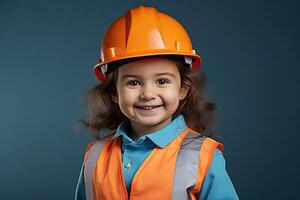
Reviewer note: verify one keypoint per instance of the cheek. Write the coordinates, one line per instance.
(127, 97)
(171, 96)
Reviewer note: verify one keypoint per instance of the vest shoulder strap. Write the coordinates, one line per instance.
(93, 151)
(193, 161)
(205, 158)
(186, 166)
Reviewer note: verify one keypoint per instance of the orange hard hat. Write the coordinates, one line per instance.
(144, 31)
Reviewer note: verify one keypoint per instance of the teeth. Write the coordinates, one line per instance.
(148, 107)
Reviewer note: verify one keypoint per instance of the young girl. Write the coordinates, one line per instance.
(149, 117)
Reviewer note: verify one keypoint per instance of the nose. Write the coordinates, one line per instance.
(148, 92)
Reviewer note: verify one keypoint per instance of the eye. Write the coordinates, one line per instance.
(163, 81)
(132, 82)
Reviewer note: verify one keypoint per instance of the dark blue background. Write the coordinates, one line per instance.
(250, 51)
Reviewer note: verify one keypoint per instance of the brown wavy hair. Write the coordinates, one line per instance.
(105, 115)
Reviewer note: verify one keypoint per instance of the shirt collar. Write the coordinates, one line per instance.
(161, 137)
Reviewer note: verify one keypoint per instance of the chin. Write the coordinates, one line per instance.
(149, 122)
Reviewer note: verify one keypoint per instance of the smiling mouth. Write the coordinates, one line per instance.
(147, 107)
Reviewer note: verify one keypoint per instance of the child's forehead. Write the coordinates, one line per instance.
(149, 65)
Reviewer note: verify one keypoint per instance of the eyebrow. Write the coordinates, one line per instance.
(158, 74)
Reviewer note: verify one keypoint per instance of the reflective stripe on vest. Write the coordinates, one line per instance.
(91, 159)
(173, 172)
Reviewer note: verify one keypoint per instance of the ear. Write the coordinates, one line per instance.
(115, 99)
(183, 92)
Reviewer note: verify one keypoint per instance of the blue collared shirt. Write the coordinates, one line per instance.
(216, 185)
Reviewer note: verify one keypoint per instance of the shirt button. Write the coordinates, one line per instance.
(127, 165)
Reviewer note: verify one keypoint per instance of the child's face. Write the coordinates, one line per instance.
(146, 83)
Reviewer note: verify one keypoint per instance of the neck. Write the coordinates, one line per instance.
(139, 130)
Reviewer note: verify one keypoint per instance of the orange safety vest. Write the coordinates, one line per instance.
(173, 172)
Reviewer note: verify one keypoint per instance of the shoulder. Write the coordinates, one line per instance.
(100, 140)
(218, 153)
(217, 167)
(217, 183)
(217, 149)
(87, 150)
(94, 147)
(218, 158)
(208, 142)
(88, 147)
